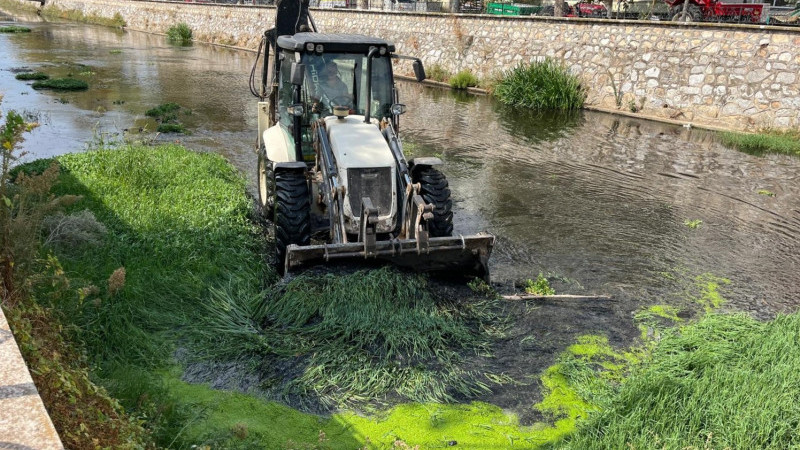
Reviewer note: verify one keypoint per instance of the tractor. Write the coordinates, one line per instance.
(332, 177)
(714, 11)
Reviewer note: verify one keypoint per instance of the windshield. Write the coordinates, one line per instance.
(340, 79)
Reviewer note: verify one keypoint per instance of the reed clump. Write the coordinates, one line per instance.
(546, 84)
(180, 33)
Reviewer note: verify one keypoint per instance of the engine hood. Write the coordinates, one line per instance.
(357, 144)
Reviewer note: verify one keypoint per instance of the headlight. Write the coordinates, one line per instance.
(398, 108)
(310, 47)
(320, 48)
(296, 110)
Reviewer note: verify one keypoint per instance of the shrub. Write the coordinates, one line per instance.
(463, 80)
(541, 85)
(180, 33)
(32, 76)
(62, 84)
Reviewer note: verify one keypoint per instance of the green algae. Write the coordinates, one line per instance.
(235, 420)
(710, 298)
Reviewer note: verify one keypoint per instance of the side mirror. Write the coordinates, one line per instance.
(419, 71)
(298, 73)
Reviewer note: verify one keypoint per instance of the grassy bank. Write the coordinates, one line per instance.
(770, 141)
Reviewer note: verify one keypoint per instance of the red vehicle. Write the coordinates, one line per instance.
(714, 11)
(595, 10)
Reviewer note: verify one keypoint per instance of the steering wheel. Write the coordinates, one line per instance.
(342, 100)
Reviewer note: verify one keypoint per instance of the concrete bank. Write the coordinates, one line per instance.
(741, 77)
(24, 422)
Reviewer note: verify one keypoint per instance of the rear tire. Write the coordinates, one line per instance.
(692, 14)
(291, 213)
(436, 191)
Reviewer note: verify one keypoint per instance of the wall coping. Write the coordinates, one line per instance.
(24, 422)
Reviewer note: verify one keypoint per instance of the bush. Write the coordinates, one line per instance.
(62, 84)
(180, 33)
(463, 80)
(32, 76)
(541, 85)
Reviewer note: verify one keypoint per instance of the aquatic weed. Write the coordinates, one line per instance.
(25, 76)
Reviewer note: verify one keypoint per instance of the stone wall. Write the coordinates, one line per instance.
(732, 76)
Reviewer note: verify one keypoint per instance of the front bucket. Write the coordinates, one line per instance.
(469, 255)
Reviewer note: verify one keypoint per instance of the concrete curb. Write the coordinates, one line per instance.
(24, 422)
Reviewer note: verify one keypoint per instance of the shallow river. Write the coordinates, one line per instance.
(598, 203)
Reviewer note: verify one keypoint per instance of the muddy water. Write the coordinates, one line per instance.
(597, 202)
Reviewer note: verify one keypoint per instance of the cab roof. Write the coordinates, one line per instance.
(337, 43)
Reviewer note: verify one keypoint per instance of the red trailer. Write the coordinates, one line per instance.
(715, 11)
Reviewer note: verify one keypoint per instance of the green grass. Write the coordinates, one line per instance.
(62, 84)
(727, 381)
(32, 76)
(168, 211)
(14, 29)
(180, 33)
(463, 80)
(541, 85)
(768, 141)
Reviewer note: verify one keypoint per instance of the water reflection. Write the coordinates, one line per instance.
(597, 200)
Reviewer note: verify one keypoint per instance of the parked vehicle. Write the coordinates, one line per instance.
(511, 9)
(715, 11)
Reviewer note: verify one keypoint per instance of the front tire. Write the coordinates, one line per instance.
(436, 191)
(291, 213)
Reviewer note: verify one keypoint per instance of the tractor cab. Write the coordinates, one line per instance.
(320, 75)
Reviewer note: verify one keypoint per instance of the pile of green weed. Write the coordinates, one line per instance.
(727, 381)
(180, 33)
(463, 80)
(26, 76)
(14, 29)
(541, 85)
(359, 337)
(167, 117)
(773, 141)
(61, 84)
